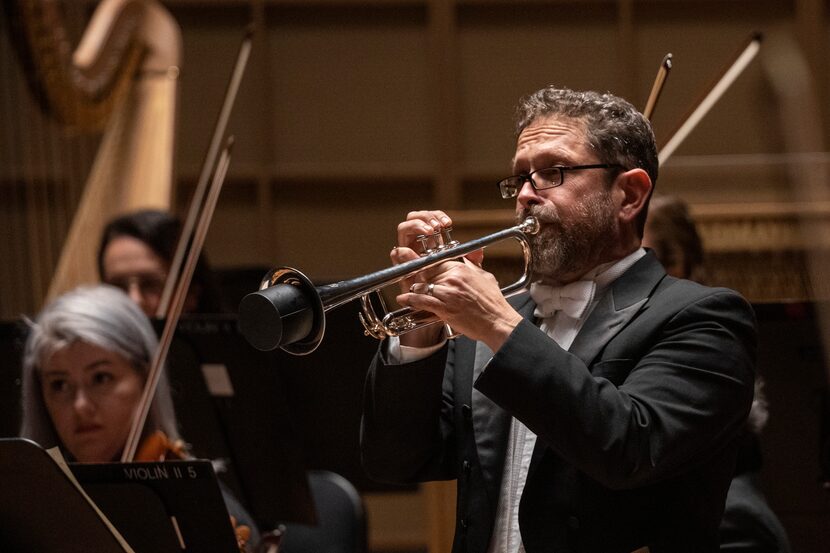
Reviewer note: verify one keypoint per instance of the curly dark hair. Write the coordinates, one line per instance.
(616, 131)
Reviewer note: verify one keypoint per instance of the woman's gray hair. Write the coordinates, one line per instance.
(615, 130)
(102, 316)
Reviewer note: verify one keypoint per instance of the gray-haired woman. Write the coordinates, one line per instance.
(85, 363)
(84, 368)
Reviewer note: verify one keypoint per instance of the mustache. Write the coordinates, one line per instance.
(545, 214)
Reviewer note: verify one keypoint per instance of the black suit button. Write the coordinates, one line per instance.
(467, 411)
(463, 523)
(466, 466)
(573, 523)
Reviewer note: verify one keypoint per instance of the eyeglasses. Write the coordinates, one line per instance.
(541, 179)
(147, 284)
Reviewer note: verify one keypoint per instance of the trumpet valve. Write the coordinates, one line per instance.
(449, 333)
(448, 242)
(437, 241)
(424, 239)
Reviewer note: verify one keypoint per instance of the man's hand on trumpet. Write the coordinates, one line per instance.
(459, 293)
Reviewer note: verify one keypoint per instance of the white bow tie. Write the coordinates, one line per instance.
(573, 298)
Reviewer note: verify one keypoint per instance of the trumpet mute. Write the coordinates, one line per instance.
(286, 312)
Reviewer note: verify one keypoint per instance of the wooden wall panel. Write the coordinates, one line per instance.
(510, 51)
(349, 90)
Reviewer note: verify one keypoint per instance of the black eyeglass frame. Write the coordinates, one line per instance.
(560, 168)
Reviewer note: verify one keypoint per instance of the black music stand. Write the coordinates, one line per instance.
(164, 507)
(286, 414)
(41, 510)
(161, 507)
(12, 338)
(232, 405)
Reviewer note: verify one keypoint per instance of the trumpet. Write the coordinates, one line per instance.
(288, 311)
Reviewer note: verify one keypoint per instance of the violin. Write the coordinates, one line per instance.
(158, 447)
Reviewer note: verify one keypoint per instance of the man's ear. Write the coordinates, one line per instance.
(635, 187)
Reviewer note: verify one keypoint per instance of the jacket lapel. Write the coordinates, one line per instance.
(624, 298)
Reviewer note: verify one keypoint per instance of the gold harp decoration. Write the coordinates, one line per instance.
(122, 77)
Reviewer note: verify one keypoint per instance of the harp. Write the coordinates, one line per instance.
(121, 81)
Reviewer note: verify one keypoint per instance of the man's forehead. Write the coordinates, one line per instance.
(553, 133)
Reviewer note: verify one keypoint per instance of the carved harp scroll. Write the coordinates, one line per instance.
(121, 78)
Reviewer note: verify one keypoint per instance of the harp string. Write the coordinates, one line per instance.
(66, 177)
(44, 164)
(13, 233)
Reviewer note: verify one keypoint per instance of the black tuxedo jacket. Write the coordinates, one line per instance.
(637, 424)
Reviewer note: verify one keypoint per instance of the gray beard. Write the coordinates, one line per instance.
(571, 247)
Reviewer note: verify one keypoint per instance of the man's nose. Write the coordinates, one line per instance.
(527, 195)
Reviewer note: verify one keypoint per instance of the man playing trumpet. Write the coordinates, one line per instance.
(596, 413)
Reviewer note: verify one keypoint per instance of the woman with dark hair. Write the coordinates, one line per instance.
(135, 254)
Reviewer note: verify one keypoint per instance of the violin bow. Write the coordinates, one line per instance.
(657, 87)
(176, 305)
(201, 185)
(199, 216)
(722, 84)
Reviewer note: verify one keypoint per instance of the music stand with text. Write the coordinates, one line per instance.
(162, 507)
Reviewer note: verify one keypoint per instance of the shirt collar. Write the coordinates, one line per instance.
(607, 273)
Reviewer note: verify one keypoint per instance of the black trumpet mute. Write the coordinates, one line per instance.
(286, 313)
